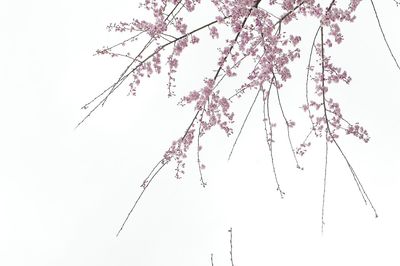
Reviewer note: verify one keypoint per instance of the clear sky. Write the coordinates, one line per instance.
(64, 192)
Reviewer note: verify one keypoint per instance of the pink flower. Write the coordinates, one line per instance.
(214, 32)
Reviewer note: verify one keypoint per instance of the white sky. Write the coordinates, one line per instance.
(65, 192)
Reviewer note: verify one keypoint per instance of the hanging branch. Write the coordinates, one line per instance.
(231, 246)
(165, 161)
(256, 35)
(199, 164)
(332, 137)
(289, 125)
(244, 122)
(269, 136)
(160, 165)
(383, 34)
(125, 74)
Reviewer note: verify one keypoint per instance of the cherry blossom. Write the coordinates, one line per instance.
(260, 34)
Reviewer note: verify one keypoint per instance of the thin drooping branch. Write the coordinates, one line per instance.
(279, 22)
(309, 69)
(269, 136)
(160, 165)
(244, 122)
(163, 162)
(200, 166)
(308, 75)
(123, 75)
(288, 126)
(332, 137)
(231, 245)
(383, 34)
(248, 38)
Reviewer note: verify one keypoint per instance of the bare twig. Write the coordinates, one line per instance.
(383, 34)
(231, 244)
(244, 122)
(287, 129)
(160, 165)
(266, 117)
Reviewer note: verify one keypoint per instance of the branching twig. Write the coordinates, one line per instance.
(125, 74)
(162, 161)
(247, 39)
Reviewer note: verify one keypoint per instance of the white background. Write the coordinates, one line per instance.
(65, 192)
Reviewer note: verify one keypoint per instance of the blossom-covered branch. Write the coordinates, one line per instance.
(259, 34)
